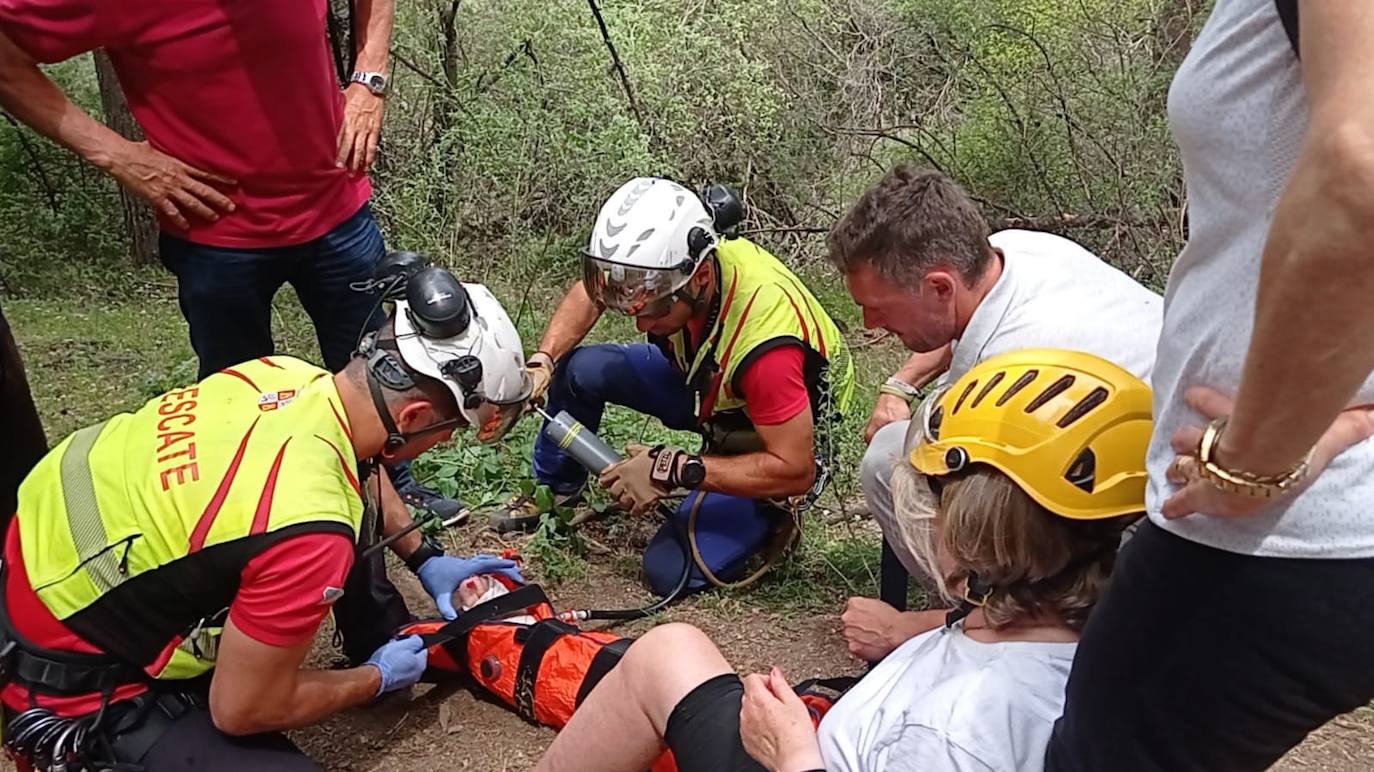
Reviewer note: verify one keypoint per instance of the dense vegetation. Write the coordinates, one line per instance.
(510, 121)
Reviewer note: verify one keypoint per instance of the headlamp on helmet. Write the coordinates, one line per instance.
(460, 335)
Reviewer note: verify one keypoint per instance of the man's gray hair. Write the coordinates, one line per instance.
(913, 220)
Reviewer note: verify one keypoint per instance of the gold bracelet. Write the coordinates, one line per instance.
(1239, 482)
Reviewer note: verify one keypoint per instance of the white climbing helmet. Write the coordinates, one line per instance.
(649, 238)
(460, 335)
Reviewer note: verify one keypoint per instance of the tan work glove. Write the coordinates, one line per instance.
(630, 483)
(540, 370)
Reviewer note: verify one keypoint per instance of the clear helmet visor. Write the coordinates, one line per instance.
(628, 289)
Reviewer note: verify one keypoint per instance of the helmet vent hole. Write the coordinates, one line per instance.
(1054, 390)
(963, 397)
(1082, 474)
(645, 235)
(992, 384)
(936, 418)
(1096, 397)
(1021, 383)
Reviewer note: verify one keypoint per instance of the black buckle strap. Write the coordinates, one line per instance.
(541, 636)
(52, 676)
(518, 599)
(609, 656)
(51, 671)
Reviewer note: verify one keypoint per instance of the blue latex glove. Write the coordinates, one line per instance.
(441, 576)
(402, 663)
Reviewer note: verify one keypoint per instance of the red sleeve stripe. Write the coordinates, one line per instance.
(708, 403)
(816, 323)
(270, 363)
(264, 510)
(342, 423)
(801, 319)
(240, 376)
(343, 462)
(207, 518)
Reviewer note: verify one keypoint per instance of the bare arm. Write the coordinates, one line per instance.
(37, 102)
(361, 129)
(373, 47)
(1304, 366)
(918, 370)
(174, 188)
(261, 688)
(571, 322)
(922, 368)
(786, 466)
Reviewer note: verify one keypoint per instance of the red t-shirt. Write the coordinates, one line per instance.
(773, 385)
(774, 389)
(284, 594)
(245, 88)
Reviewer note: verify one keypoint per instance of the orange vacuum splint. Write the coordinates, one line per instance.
(543, 668)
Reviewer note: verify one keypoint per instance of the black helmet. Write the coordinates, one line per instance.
(394, 270)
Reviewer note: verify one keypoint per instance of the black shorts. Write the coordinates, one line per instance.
(703, 730)
(1201, 659)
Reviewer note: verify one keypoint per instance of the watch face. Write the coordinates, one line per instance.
(373, 81)
(693, 473)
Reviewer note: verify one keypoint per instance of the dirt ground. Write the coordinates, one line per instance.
(447, 728)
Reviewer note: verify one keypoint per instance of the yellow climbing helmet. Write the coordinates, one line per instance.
(1070, 428)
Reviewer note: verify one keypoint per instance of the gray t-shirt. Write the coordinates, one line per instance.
(943, 702)
(1057, 294)
(1054, 293)
(1238, 112)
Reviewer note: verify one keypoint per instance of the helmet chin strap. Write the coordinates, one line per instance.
(395, 438)
(699, 301)
(976, 591)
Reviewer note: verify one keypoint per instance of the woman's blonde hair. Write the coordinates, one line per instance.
(1038, 563)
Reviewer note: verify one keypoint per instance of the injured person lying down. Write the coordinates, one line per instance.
(1039, 461)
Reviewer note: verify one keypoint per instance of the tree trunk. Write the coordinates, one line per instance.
(138, 215)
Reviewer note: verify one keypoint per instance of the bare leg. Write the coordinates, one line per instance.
(621, 724)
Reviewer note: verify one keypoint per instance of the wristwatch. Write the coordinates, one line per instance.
(1238, 481)
(691, 473)
(429, 548)
(667, 472)
(374, 81)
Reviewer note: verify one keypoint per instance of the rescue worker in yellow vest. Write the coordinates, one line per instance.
(167, 570)
(738, 350)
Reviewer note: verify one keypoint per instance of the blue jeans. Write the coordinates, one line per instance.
(226, 294)
(729, 528)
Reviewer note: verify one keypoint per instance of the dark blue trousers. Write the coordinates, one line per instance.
(729, 528)
(226, 294)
